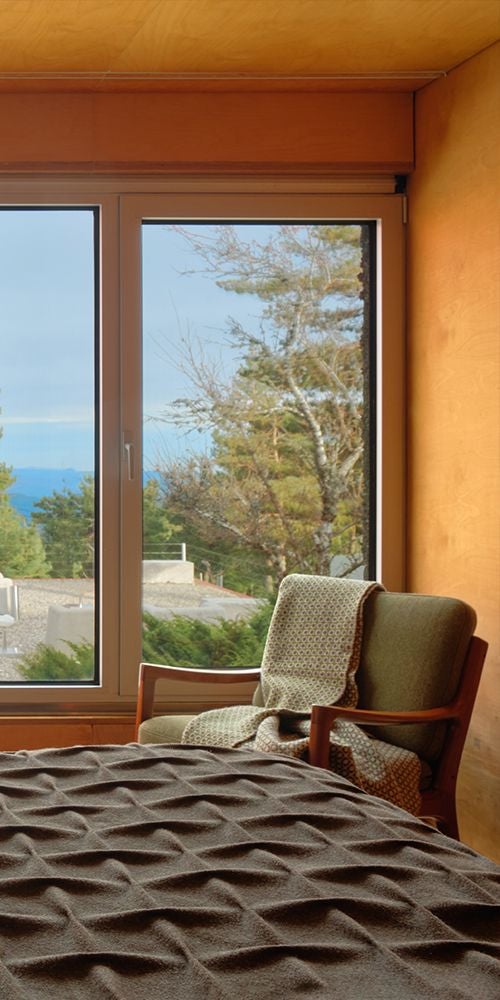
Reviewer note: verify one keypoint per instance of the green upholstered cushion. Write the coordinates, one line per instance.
(412, 656)
(164, 729)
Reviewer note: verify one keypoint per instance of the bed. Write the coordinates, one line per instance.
(183, 872)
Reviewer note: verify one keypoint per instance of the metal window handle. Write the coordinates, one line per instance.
(128, 449)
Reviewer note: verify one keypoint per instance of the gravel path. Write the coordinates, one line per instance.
(198, 599)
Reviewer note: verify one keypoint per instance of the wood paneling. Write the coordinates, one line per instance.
(454, 399)
(49, 83)
(28, 733)
(453, 545)
(134, 132)
(288, 37)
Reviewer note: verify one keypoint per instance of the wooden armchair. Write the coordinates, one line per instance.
(438, 785)
(418, 677)
(169, 728)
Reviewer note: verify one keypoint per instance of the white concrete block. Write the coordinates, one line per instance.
(69, 624)
(167, 571)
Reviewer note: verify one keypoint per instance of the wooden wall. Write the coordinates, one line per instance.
(453, 383)
(37, 732)
(185, 131)
(453, 333)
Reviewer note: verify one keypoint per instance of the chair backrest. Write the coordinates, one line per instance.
(414, 648)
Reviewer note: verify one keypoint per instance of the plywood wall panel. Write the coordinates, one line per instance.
(289, 37)
(39, 733)
(35, 733)
(130, 132)
(453, 389)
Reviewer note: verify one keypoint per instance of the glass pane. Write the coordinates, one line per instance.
(47, 449)
(257, 426)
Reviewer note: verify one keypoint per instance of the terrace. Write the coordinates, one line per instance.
(50, 612)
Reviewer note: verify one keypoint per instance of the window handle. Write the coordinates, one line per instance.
(129, 455)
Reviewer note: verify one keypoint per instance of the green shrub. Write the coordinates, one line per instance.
(47, 663)
(184, 642)
(179, 641)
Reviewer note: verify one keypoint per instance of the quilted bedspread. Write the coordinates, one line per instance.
(172, 873)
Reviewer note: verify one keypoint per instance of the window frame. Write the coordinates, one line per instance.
(123, 204)
(386, 212)
(62, 698)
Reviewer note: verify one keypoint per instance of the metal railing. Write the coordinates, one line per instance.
(166, 550)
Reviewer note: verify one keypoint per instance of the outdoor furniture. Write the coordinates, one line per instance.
(9, 613)
(418, 677)
(69, 623)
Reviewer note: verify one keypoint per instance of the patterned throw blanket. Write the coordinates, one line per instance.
(311, 657)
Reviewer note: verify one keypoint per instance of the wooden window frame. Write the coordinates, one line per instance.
(123, 204)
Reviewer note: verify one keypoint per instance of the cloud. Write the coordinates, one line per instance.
(84, 419)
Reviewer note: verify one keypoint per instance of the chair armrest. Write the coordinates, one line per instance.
(370, 717)
(324, 716)
(149, 673)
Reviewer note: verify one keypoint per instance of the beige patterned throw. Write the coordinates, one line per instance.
(311, 657)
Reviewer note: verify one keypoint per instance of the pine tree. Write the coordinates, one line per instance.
(21, 549)
(286, 473)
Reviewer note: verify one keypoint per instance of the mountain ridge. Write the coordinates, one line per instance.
(34, 482)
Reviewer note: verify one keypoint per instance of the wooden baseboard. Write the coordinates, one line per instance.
(36, 732)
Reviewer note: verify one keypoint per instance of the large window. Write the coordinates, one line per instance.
(258, 377)
(209, 389)
(48, 529)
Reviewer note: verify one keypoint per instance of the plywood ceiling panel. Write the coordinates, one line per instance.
(165, 42)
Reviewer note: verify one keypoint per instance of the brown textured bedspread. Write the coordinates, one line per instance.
(177, 873)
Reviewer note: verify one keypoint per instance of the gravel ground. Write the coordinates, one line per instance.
(36, 596)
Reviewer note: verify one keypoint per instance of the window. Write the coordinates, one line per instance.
(48, 536)
(257, 419)
(177, 322)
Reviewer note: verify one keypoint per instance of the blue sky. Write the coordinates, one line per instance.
(46, 333)
(179, 305)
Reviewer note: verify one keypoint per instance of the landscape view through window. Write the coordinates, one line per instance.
(256, 432)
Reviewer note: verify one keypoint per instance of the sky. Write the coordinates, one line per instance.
(179, 306)
(46, 336)
(47, 332)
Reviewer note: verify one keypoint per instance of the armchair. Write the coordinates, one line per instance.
(419, 672)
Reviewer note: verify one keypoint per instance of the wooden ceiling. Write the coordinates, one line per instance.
(238, 44)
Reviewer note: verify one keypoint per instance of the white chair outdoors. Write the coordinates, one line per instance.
(9, 613)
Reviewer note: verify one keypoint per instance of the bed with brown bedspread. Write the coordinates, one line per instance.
(172, 873)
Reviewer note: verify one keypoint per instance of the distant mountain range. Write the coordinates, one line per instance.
(32, 484)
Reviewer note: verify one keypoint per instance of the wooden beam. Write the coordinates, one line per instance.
(131, 132)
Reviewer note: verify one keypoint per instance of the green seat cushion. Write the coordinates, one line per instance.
(412, 656)
(163, 729)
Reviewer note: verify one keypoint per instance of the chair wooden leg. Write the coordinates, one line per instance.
(319, 738)
(442, 811)
(448, 824)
